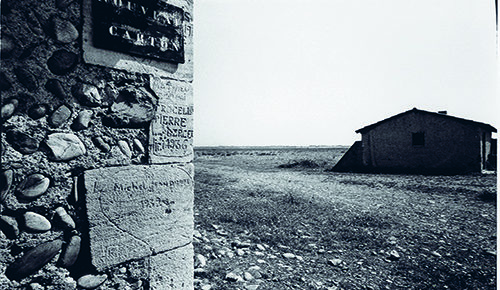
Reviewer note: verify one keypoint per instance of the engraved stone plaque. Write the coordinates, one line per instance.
(138, 211)
(171, 131)
(172, 270)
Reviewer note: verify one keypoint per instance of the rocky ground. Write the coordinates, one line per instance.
(304, 228)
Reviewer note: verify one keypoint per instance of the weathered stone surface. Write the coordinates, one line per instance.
(200, 273)
(5, 82)
(65, 218)
(33, 21)
(22, 101)
(173, 270)
(7, 111)
(247, 276)
(6, 179)
(33, 186)
(394, 255)
(62, 4)
(62, 62)
(35, 222)
(136, 211)
(70, 253)
(335, 262)
(63, 30)
(38, 111)
(33, 260)
(26, 51)
(88, 95)
(116, 156)
(83, 120)
(7, 46)
(26, 77)
(36, 286)
(123, 145)
(54, 86)
(101, 144)
(138, 146)
(200, 261)
(233, 277)
(171, 131)
(65, 146)
(91, 281)
(134, 107)
(9, 226)
(59, 116)
(22, 142)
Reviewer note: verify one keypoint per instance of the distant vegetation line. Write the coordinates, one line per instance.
(271, 147)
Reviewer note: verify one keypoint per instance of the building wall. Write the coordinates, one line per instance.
(487, 155)
(450, 146)
(72, 113)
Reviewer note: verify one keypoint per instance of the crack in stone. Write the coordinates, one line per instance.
(151, 250)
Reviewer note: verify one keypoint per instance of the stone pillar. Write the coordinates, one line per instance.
(97, 144)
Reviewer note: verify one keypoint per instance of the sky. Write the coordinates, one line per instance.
(311, 72)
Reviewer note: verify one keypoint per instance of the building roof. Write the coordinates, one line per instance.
(415, 110)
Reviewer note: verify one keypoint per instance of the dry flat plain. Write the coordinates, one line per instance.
(275, 218)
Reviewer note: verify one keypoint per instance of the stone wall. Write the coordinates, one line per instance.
(450, 146)
(96, 151)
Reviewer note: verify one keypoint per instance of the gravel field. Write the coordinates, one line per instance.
(260, 225)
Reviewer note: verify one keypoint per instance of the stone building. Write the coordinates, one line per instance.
(422, 142)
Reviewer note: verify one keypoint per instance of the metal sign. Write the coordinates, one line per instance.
(147, 28)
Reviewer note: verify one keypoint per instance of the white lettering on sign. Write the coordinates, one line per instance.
(160, 17)
(140, 38)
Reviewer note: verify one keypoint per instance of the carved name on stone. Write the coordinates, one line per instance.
(138, 211)
(171, 132)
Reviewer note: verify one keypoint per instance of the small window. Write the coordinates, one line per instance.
(417, 139)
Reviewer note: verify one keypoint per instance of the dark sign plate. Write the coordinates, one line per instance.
(147, 28)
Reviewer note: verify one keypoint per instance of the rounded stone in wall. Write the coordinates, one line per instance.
(83, 120)
(9, 226)
(65, 146)
(34, 222)
(134, 107)
(33, 186)
(60, 116)
(25, 100)
(8, 109)
(33, 260)
(101, 144)
(26, 77)
(63, 30)
(54, 86)
(70, 253)
(62, 62)
(38, 111)
(88, 95)
(7, 46)
(22, 142)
